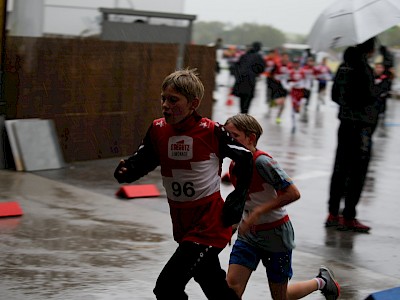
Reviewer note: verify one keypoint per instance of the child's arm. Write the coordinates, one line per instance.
(284, 197)
(286, 190)
(139, 164)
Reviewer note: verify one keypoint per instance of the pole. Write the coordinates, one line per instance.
(3, 25)
(28, 18)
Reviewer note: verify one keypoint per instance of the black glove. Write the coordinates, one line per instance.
(120, 176)
(233, 208)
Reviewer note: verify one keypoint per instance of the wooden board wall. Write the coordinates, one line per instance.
(102, 95)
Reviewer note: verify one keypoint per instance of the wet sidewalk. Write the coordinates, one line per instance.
(77, 240)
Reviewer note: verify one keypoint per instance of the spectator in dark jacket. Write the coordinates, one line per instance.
(353, 90)
(250, 65)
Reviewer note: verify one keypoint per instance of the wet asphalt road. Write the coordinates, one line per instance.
(78, 240)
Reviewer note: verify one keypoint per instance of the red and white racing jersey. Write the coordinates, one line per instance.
(297, 79)
(323, 73)
(262, 191)
(190, 155)
(309, 73)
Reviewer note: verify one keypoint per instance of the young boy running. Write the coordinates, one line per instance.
(265, 232)
(279, 84)
(382, 84)
(297, 82)
(324, 75)
(190, 150)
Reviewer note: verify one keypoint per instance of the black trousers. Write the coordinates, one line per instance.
(351, 166)
(244, 89)
(245, 101)
(196, 261)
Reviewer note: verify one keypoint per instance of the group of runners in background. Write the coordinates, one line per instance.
(293, 76)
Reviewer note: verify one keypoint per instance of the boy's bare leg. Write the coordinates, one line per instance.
(280, 102)
(279, 291)
(237, 278)
(321, 98)
(298, 290)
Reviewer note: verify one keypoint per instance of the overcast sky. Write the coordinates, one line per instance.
(290, 16)
(294, 16)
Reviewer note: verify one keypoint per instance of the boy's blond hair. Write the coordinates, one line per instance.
(185, 82)
(247, 124)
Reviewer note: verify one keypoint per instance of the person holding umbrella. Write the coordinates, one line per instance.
(346, 23)
(353, 90)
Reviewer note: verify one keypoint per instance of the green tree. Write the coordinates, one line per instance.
(391, 37)
(207, 32)
(247, 33)
(244, 34)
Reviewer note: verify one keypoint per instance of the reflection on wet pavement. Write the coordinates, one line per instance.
(63, 244)
(77, 240)
(50, 255)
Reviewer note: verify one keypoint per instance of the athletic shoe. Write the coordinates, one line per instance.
(331, 290)
(278, 120)
(304, 117)
(333, 221)
(353, 225)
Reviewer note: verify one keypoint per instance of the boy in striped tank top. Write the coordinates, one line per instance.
(265, 232)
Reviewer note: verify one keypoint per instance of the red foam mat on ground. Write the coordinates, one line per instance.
(10, 209)
(138, 191)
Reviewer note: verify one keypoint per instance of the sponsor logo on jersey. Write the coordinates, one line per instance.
(180, 147)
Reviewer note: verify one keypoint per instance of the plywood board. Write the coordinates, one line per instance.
(13, 144)
(2, 143)
(38, 144)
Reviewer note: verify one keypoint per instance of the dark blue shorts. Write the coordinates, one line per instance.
(278, 265)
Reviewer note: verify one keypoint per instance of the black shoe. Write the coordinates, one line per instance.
(331, 290)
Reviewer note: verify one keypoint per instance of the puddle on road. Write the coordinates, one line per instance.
(45, 257)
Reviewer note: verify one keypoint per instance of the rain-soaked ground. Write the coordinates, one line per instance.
(78, 240)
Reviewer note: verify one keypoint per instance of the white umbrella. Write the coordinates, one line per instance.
(351, 22)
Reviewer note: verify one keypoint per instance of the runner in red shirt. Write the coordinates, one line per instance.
(310, 72)
(324, 75)
(190, 150)
(297, 82)
(278, 84)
